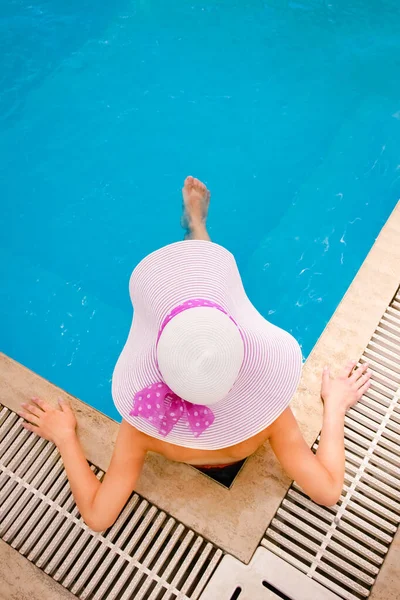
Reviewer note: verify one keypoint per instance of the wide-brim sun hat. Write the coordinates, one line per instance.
(197, 345)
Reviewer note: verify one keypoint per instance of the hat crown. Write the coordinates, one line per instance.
(200, 353)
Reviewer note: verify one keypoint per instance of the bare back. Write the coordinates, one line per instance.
(200, 457)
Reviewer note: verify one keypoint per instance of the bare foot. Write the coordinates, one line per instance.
(196, 199)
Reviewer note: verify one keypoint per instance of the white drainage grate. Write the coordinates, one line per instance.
(146, 554)
(266, 577)
(343, 547)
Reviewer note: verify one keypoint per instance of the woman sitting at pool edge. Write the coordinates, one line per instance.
(203, 379)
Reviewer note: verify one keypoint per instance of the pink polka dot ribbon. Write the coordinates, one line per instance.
(158, 404)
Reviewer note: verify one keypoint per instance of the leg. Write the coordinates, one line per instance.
(196, 199)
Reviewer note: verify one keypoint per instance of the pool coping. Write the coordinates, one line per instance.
(236, 519)
(21, 580)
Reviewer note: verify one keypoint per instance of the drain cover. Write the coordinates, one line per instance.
(267, 577)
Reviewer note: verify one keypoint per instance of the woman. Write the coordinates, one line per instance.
(203, 379)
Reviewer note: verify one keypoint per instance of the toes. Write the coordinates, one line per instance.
(189, 181)
(199, 185)
(192, 183)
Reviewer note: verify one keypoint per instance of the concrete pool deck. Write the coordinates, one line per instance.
(235, 520)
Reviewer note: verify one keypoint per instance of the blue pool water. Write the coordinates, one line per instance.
(289, 110)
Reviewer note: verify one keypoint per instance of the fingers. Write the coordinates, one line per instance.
(348, 368)
(35, 410)
(359, 372)
(364, 388)
(29, 417)
(32, 408)
(31, 427)
(41, 403)
(64, 405)
(363, 380)
(325, 376)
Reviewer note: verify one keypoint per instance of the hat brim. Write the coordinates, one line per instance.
(272, 362)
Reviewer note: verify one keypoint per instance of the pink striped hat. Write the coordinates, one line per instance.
(201, 367)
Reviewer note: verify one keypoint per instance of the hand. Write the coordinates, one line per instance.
(53, 424)
(346, 390)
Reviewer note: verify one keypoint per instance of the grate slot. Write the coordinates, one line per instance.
(297, 551)
(156, 545)
(387, 339)
(184, 566)
(104, 558)
(378, 401)
(21, 467)
(382, 390)
(82, 550)
(14, 450)
(19, 497)
(393, 314)
(347, 527)
(175, 560)
(50, 527)
(32, 501)
(212, 565)
(375, 413)
(370, 489)
(193, 564)
(389, 352)
(377, 506)
(42, 517)
(276, 548)
(8, 432)
(389, 326)
(378, 467)
(158, 565)
(384, 461)
(196, 568)
(4, 414)
(376, 528)
(391, 319)
(121, 564)
(335, 587)
(82, 566)
(385, 362)
(67, 532)
(381, 375)
(372, 555)
(338, 575)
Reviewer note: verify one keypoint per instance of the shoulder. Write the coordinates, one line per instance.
(130, 439)
(285, 424)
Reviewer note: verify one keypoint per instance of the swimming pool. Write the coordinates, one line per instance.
(288, 110)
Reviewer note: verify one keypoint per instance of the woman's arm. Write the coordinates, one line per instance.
(98, 503)
(321, 475)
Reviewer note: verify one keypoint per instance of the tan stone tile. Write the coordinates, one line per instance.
(387, 585)
(21, 580)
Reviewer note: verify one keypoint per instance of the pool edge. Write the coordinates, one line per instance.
(254, 498)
